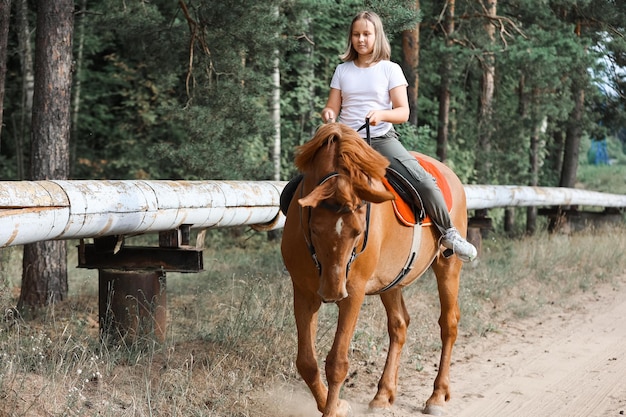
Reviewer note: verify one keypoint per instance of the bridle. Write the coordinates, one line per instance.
(335, 208)
(408, 266)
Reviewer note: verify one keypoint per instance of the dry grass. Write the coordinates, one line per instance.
(231, 335)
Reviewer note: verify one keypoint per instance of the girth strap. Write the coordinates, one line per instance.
(409, 262)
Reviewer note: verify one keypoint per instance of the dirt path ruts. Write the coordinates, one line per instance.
(562, 364)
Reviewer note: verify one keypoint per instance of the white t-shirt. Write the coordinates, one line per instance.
(365, 89)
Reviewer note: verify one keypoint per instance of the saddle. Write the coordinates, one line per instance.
(408, 204)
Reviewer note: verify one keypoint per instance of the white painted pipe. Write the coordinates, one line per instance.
(493, 196)
(33, 211)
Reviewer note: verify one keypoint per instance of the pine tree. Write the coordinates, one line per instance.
(44, 276)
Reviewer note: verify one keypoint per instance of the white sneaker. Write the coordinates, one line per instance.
(451, 239)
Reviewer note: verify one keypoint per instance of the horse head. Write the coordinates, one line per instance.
(342, 176)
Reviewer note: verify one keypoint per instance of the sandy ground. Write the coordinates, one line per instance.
(565, 363)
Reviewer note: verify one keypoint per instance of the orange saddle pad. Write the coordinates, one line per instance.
(403, 209)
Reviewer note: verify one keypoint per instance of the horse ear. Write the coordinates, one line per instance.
(375, 196)
(309, 201)
(318, 194)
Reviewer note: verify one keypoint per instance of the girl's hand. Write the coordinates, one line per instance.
(328, 115)
(375, 117)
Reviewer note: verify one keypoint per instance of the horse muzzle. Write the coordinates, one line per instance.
(332, 288)
(332, 298)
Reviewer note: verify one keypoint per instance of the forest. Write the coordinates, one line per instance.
(198, 89)
(503, 92)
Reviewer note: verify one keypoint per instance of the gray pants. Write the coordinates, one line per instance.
(403, 162)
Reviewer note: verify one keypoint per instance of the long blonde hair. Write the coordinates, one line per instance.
(382, 49)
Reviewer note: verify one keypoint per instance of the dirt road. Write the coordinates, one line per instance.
(565, 363)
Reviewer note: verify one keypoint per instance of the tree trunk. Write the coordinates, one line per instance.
(308, 113)
(443, 124)
(573, 132)
(557, 150)
(485, 114)
(77, 83)
(28, 85)
(276, 110)
(573, 136)
(44, 276)
(410, 52)
(534, 155)
(5, 14)
(276, 118)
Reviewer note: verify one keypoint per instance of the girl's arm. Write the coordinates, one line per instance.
(330, 112)
(399, 112)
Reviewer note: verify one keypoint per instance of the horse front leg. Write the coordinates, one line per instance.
(337, 360)
(397, 322)
(306, 307)
(447, 272)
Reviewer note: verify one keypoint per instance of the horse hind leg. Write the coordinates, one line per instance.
(397, 322)
(447, 272)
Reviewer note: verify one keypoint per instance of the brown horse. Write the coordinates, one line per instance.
(341, 241)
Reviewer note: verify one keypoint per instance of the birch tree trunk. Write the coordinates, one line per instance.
(276, 109)
(536, 150)
(443, 126)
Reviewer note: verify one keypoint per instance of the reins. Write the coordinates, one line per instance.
(337, 209)
(415, 242)
(366, 126)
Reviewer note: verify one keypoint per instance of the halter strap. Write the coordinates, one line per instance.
(309, 241)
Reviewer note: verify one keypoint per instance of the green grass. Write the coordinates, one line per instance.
(231, 334)
(603, 178)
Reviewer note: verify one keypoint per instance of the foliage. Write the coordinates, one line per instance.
(184, 89)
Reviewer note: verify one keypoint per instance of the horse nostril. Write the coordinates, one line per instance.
(334, 299)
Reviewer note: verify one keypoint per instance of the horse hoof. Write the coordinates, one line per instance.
(434, 410)
(344, 409)
(379, 404)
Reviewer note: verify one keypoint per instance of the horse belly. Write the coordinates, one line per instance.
(394, 251)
